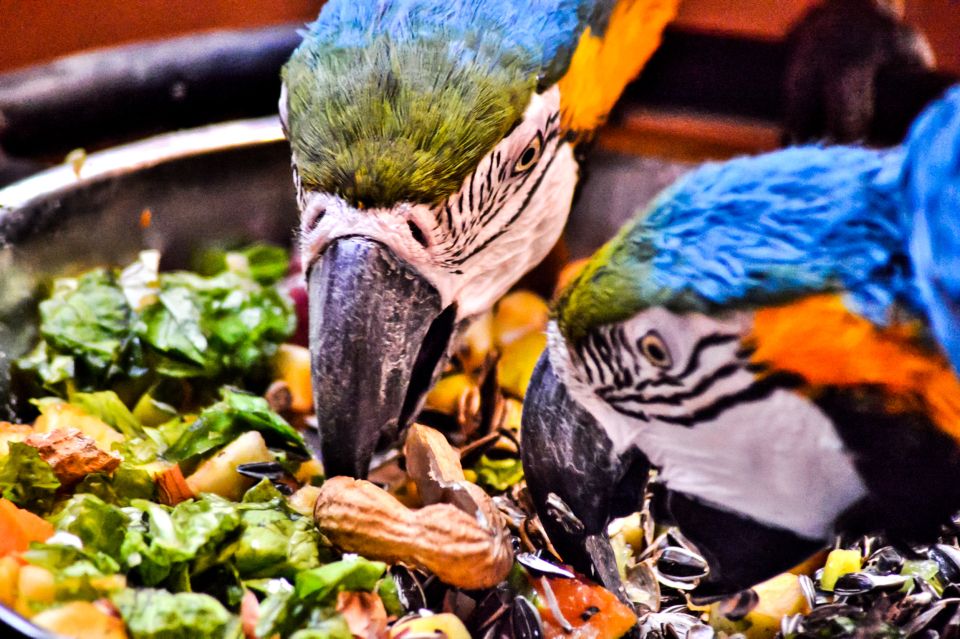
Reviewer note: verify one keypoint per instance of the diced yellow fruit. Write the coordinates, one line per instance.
(630, 529)
(570, 272)
(444, 625)
(444, 397)
(35, 585)
(9, 575)
(304, 500)
(64, 416)
(218, 475)
(81, 620)
(512, 412)
(292, 365)
(308, 471)
(476, 342)
(839, 563)
(10, 433)
(517, 362)
(779, 597)
(517, 315)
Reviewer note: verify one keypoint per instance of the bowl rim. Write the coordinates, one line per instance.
(133, 156)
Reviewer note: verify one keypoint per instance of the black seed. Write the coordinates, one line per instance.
(588, 614)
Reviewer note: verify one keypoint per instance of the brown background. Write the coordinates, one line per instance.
(37, 30)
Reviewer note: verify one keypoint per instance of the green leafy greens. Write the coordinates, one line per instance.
(104, 327)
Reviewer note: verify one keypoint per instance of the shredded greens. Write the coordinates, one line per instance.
(167, 370)
(106, 327)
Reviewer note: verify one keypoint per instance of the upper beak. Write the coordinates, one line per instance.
(577, 481)
(378, 333)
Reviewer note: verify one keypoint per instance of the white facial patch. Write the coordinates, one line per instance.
(714, 433)
(473, 247)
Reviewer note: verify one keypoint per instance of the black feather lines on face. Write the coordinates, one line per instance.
(463, 216)
(642, 388)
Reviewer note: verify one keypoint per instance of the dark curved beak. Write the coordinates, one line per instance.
(378, 334)
(577, 482)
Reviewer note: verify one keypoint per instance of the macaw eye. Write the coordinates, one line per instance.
(655, 350)
(530, 155)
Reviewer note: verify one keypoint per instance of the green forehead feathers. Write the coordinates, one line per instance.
(399, 120)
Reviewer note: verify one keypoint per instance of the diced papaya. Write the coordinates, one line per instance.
(292, 365)
(36, 587)
(81, 620)
(593, 611)
(9, 575)
(517, 315)
(444, 397)
(517, 361)
(18, 527)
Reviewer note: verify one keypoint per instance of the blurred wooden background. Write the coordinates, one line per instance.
(38, 30)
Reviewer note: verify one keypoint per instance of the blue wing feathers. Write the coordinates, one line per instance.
(931, 198)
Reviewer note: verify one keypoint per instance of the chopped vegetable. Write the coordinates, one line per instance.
(19, 527)
(27, 480)
(839, 563)
(236, 413)
(442, 625)
(105, 327)
(498, 474)
(591, 611)
(72, 455)
(292, 365)
(778, 597)
(218, 475)
(157, 614)
(517, 315)
(81, 620)
(99, 525)
(517, 361)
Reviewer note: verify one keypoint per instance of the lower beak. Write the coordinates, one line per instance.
(575, 478)
(378, 333)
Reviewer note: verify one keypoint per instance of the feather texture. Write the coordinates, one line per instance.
(931, 184)
(756, 231)
(398, 100)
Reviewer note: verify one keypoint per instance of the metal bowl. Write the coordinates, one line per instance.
(217, 184)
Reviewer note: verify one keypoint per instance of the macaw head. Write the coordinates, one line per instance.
(711, 340)
(433, 156)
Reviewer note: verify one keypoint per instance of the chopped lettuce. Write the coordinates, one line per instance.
(157, 614)
(78, 574)
(236, 413)
(27, 480)
(110, 408)
(66, 556)
(275, 543)
(105, 327)
(265, 263)
(310, 603)
(332, 627)
(498, 474)
(322, 584)
(214, 327)
(99, 525)
(120, 488)
(88, 319)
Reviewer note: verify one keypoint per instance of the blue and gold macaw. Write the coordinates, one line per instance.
(434, 158)
(779, 336)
